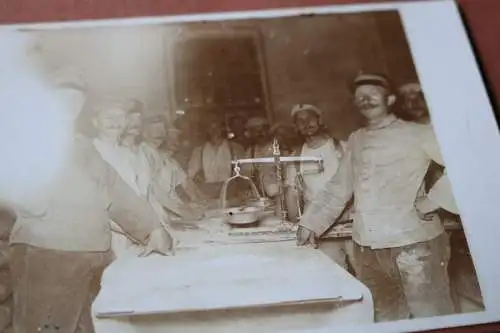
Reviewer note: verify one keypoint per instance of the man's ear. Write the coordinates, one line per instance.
(391, 99)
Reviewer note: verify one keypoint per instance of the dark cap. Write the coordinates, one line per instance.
(375, 79)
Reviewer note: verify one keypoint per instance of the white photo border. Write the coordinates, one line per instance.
(462, 115)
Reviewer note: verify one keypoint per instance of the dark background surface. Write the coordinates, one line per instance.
(481, 17)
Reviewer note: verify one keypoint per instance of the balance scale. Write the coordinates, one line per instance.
(278, 161)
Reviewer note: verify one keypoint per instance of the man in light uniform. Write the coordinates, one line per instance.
(138, 162)
(154, 131)
(61, 238)
(111, 122)
(401, 252)
(172, 182)
(210, 164)
(305, 180)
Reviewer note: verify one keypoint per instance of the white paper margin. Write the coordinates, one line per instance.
(462, 116)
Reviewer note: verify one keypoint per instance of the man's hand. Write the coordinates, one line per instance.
(160, 241)
(425, 208)
(305, 237)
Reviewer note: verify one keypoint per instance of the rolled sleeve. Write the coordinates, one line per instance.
(330, 202)
(132, 213)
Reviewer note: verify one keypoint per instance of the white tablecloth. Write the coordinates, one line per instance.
(152, 284)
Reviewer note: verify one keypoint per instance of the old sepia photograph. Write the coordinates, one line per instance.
(254, 174)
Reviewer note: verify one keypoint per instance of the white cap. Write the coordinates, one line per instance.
(306, 107)
(113, 106)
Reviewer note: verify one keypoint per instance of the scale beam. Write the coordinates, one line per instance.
(282, 159)
(278, 161)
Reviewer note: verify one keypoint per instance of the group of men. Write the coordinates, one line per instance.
(388, 178)
(129, 175)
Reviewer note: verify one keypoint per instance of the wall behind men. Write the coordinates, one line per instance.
(314, 59)
(307, 60)
(125, 62)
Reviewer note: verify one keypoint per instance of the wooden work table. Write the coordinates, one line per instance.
(255, 279)
(266, 288)
(220, 277)
(216, 232)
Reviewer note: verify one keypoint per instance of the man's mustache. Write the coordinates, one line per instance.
(367, 105)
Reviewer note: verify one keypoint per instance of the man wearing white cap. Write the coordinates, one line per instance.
(61, 238)
(305, 180)
(401, 250)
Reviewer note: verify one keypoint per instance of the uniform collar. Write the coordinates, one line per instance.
(388, 121)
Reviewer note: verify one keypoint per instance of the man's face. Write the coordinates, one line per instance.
(413, 104)
(112, 122)
(238, 126)
(259, 133)
(135, 105)
(134, 125)
(286, 136)
(215, 131)
(372, 101)
(173, 141)
(155, 133)
(307, 123)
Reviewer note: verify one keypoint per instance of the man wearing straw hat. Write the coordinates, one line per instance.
(61, 239)
(401, 250)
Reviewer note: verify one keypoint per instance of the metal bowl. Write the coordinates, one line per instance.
(243, 216)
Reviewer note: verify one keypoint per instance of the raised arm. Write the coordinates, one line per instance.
(330, 202)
